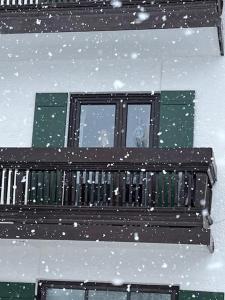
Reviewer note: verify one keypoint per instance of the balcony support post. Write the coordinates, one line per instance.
(220, 36)
(211, 245)
(201, 189)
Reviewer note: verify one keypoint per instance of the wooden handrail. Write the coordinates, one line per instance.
(188, 159)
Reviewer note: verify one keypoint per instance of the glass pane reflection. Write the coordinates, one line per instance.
(106, 295)
(97, 126)
(150, 296)
(64, 294)
(138, 125)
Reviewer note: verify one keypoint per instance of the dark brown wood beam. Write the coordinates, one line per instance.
(107, 232)
(38, 22)
(153, 159)
(101, 16)
(74, 18)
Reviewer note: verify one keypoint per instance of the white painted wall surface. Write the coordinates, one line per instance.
(91, 62)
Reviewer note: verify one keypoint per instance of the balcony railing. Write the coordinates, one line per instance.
(18, 16)
(162, 195)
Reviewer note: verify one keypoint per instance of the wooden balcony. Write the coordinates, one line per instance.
(23, 16)
(136, 195)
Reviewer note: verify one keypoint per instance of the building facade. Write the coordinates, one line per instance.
(154, 98)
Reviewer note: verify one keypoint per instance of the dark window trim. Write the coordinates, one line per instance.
(128, 288)
(77, 99)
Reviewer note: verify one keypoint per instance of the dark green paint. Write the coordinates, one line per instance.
(11, 291)
(48, 131)
(177, 129)
(167, 183)
(177, 97)
(196, 295)
(51, 99)
(50, 120)
(176, 119)
(45, 187)
(49, 127)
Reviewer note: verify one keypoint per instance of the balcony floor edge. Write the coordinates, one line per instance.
(107, 232)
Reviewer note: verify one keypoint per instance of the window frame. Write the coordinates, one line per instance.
(128, 288)
(121, 112)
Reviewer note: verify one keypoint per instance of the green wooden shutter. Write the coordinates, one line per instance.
(176, 130)
(48, 131)
(196, 295)
(50, 120)
(13, 291)
(176, 119)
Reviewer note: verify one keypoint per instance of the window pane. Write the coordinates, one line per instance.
(106, 295)
(97, 126)
(64, 294)
(150, 296)
(138, 125)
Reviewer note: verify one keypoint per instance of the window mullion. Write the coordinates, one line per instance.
(122, 120)
(128, 295)
(86, 294)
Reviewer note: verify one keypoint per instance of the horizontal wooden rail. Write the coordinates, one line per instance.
(109, 3)
(26, 16)
(156, 159)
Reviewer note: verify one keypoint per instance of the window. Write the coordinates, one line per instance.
(103, 291)
(97, 125)
(114, 120)
(138, 125)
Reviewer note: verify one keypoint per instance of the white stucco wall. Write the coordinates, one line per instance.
(91, 62)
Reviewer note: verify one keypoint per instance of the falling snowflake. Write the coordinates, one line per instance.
(141, 17)
(116, 3)
(118, 84)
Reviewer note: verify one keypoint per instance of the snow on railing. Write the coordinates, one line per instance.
(16, 3)
(10, 3)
